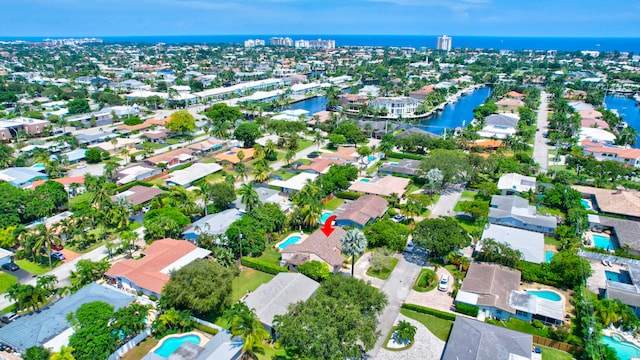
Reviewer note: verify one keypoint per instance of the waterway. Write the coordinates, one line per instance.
(313, 105)
(458, 114)
(627, 109)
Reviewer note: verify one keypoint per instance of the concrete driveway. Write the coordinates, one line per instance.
(425, 345)
(435, 299)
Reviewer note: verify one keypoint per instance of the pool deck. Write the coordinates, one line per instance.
(564, 294)
(204, 338)
(303, 237)
(589, 242)
(598, 279)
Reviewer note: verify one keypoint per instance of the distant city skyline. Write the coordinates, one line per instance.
(540, 18)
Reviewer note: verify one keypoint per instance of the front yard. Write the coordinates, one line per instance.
(439, 327)
(249, 280)
(33, 268)
(6, 281)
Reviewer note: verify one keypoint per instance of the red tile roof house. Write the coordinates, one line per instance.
(66, 181)
(317, 246)
(319, 166)
(385, 186)
(509, 105)
(601, 152)
(362, 211)
(151, 273)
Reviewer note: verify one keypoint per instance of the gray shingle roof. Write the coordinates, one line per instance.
(511, 206)
(38, 328)
(492, 283)
(475, 340)
(626, 231)
(501, 120)
(529, 243)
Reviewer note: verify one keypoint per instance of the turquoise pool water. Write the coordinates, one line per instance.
(625, 350)
(621, 277)
(549, 255)
(290, 240)
(172, 344)
(586, 204)
(371, 158)
(603, 242)
(549, 295)
(393, 164)
(324, 217)
(365, 180)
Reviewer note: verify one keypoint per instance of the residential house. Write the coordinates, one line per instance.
(627, 288)
(223, 346)
(10, 128)
(422, 93)
(295, 183)
(266, 196)
(93, 119)
(352, 102)
(362, 211)
(571, 94)
(499, 126)
(529, 243)
(515, 95)
(513, 183)
(152, 272)
(514, 211)
(21, 176)
(212, 224)
(624, 232)
(231, 156)
(592, 118)
(205, 146)
(317, 246)
(415, 130)
(396, 107)
(49, 328)
(318, 166)
(73, 157)
(596, 135)
(6, 256)
(90, 139)
(68, 183)
(602, 152)
(616, 202)
(509, 105)
(274, 298)
(344, 154)
(171, 158)
(186, 177)
(383, 186)
(135, 172)
(404, 167)
(476, 340)
(138, 195)
(156, 136)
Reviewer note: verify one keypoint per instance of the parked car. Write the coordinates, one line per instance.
(443, 285)
(398, 218)
(10, 266)
(56, 255)
(9, 317)
(313, 155)
(82, 166)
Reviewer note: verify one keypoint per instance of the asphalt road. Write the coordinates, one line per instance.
(540, 147)
(22, 274)
(445, 204)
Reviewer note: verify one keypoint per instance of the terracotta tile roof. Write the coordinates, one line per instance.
(621, 152)
(515, 94)
(138, 194)
(147, 272)
(343, 153)
(328, 248)
(319, 165)
(593, 122)
(510, 102)
(66, 181)
(231, 155)
(488, 143)
(385, 186)
(590, 114)
(168, 156)
(365, 208)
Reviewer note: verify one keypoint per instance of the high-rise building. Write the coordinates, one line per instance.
(444, 43)
(253, 43)
(281, 41)
(306, 44)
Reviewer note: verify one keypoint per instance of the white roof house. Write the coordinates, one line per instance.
(295, 183)
(513, 182)
(597, 135)
(197, 171)
(529, 243)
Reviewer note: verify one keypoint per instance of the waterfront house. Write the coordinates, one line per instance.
(475, 340)
(509, 105)
(514, 211)
(396, 107)
(352, 102)
(499, 126)
(601, 152)
(362, 211)
(414, 130)
(317, 246)
(616, 202)
(150, 273)
(422, 93)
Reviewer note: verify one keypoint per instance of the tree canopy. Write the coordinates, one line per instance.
(78, 106)
(247, 133)
(220, 113)
(440, 236)
(351, 133)
(387, 233)
(181, 122)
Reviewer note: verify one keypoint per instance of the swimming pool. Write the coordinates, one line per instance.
(393, 164)
(293, 239)
(545, 294)
(624, 349)
(586, 204)
(170, 345)
(371, 158)
(364, 180)
(621, 277)
(549, 255)
(603, 242)
(324, 217)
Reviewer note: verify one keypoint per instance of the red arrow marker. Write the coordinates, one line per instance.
(327, 229)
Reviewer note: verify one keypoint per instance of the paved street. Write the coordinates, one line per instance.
(445, 204)
(540, 147)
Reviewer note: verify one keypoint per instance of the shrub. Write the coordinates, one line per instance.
(153, 298)
(315, 269)
(426, 280)
(348, 195)
(559, 333)
(139, 293)
(537, 324)
(467, 309)
(433, 312)
(205, 328)
(262, 266)
(398, 155)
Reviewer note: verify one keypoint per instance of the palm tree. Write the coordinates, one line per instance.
(65, 353)
(206, 190)
(127, 240)
(353, 244)
(125, 153)
(261, 171)
(404, 332)
(121, 212)
(109, 169)
(47, 282)
(269, 150)
(241, 170)
(413, 208)
(244, 323)
(45, 239)
(318, 139)
(608, 312)
(101, 201)
(288, 157)
(250, 196)
(114, 142)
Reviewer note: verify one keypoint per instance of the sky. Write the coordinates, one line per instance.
(559, 18)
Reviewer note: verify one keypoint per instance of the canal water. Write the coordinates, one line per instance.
(313, 105)
(628, 110)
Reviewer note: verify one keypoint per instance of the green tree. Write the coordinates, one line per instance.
(37, 353)
(88, 271)
(244, 322)
(405, 332)
(354, 243)
(249, 197)
(316, 270)
(440, 236)
(6, 156)
(351, 133)
(65, 353)
(387, 233)
(93, 155)
(91, 338)
(222, 194)
(247, 133)
(478, 209)
(203, 286)
(571, 268)
(78, 106)
(181, 122)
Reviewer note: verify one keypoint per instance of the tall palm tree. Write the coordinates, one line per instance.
(261, 171)
(249, 195)
(270, 150)
(354, 242)
(121, 212)
(241, 170)
(102, 201)
(125, 153)
(244, 322)
(47, 282)
(311, 212)
(206, 190)
(288, 157)
(45, 239)
(127, 240)
(318, 139)
(109, 169)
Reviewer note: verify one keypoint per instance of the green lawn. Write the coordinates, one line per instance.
(333, 203)
(304, 161)
(138, 352)
(33, 268)
(411, 189)
(271, 255)
(84, 197)
(426, 272)
(469, 225)
(134, 225)
(286, 175)
(554, 354)
(467, 194)
(152, 145)
(6, 280)
(438, 327)
(520, 325)
(458, 207)
(249, 279)
(304, 144)
(549, 211)
(384, 273)
(271, 353)
(548, 240)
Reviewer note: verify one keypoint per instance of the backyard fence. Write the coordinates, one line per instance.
(556, 344)
(130, 345)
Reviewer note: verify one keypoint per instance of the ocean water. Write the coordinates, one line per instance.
(416, 41)
(628, 110)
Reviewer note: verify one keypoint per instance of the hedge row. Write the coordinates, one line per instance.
(429, 311)
(205, 328)
(348, 195)
(128, 186)
(467, 309)
(398, 155)
(263, 266)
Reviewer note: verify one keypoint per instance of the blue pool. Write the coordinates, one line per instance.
(393, 164)
(290, 240)
(549, 256)
(365, 180)
(621, 277)
(324, 217)
(549, 295)
(603, 242)
(172, 344)
(586, 204)
(624, 349)
(371, 158)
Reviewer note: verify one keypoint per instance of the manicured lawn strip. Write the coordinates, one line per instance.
(458, 207)
(152, 145)
(84, 197)
(551, 241)
(141, 350)
(304, 161)
(271, 353)
(467, 194)
(554, 354)
(134, 225)
(469, 225)
(249, 280)
(520, 325)
(6, 280)
(271, 255)
(32, 267)
(384, 273)
(304, 144)
(438, 327)
(433, 285)
(333, 203)
(10, 308)
(285, 175)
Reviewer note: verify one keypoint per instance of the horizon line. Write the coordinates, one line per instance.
(318, 34)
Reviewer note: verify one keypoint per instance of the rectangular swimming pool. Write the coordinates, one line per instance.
(621, 277)
(603, 242)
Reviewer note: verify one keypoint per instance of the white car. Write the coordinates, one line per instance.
(443, 285)
(82, 166)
